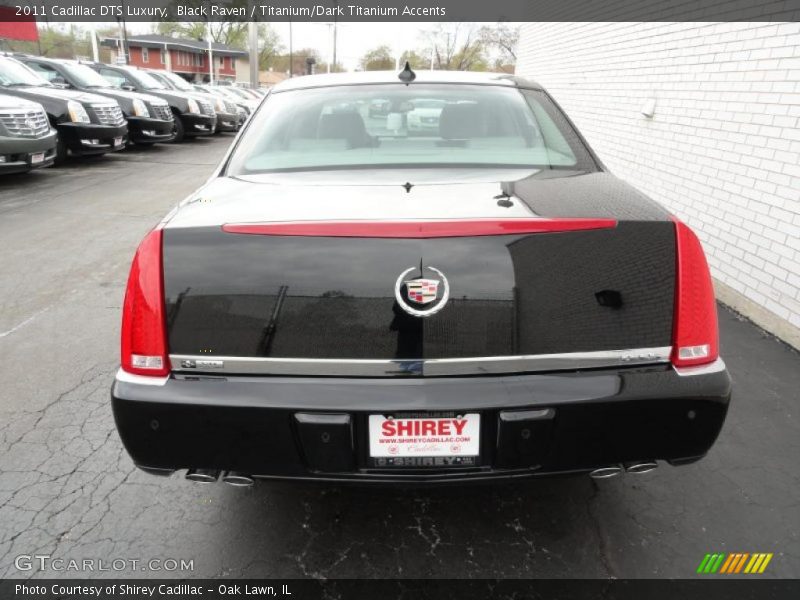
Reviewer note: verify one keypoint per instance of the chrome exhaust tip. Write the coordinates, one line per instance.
(606, 472)
(202, 475)
(641, 467)
(237, 479)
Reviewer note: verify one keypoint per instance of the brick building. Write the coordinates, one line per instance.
(188, 58)
(705, 118)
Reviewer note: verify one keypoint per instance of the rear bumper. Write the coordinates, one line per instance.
(86, 139)
(143, 130)
(530, 424)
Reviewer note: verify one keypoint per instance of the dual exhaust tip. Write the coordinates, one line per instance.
(233, 478)
(635, 468)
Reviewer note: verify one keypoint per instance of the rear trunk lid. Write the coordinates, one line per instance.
(310, 301)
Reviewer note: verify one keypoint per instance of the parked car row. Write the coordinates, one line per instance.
(53, 108)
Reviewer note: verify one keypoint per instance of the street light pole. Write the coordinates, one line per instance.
(93, 35)
(335, 23)
(332, 52)
(210, 59)
(125, 46)
(252, 27)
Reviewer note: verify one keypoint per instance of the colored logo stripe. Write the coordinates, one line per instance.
(735, 562)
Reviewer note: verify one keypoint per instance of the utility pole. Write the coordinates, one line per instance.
(252, 29)
(291, 53)
(335, 23)
(125, 47)
(123, 41)
(210, 49)
(330, 31)
(210, 59)
(93, 35)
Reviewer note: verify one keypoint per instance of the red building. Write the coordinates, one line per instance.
(187, 58)
(13, 27)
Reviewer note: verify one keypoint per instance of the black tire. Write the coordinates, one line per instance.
(178, 130)
(62, 152)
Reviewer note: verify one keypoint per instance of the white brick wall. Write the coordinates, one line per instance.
(723, 148)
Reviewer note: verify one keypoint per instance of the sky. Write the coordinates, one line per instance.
(353, 39)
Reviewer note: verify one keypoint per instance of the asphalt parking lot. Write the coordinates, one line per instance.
(68, 489)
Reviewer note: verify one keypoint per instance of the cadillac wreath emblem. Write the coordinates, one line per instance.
(424, 294)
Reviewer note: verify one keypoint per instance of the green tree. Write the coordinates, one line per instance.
(378, 59)
(281, 62)
(269, 46)
(416, 60)
(56, 42)
(230, 33)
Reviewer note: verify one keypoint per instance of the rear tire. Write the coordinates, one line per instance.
(178, 130)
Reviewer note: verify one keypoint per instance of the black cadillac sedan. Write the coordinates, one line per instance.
(346, 300)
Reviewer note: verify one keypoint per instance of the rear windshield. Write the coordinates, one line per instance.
(419, 125)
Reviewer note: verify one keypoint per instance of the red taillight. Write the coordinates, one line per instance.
(695, 335)
(144, 344)
(419, 229)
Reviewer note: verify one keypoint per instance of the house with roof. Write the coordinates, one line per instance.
(188, 58)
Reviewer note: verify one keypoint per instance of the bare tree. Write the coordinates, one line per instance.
(501, 41)
(456, 47)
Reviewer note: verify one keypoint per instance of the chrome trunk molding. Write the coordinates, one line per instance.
(436, 367)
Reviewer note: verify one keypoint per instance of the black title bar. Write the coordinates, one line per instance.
(403, 10)
(408, 589)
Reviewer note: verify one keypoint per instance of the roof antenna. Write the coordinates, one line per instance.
(407, 75)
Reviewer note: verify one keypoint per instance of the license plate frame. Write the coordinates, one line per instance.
(118, 141)
(37, 158)
(424, 440)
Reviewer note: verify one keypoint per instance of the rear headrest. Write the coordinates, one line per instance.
(462, 121)
(344, 125)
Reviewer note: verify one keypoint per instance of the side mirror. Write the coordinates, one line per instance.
(128, 87)
(59, 82)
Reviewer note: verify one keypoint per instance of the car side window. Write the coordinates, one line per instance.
(45, 71)
(115, 78)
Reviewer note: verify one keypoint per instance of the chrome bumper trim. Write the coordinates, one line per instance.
(126, 377)
(221, 365)
(714, 367)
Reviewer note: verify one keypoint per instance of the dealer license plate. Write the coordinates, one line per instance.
(37, 158)
(424, 440)
(117, 141)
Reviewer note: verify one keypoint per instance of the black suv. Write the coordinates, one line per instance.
(26, 139)
(227, 115)
(87, 124)
(149, 118)
(193, 116)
